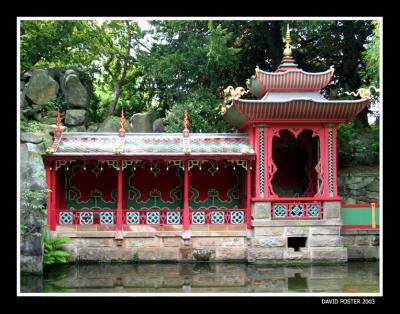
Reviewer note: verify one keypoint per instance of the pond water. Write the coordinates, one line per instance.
(351, 277)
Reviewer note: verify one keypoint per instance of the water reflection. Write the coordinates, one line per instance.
(206, 277)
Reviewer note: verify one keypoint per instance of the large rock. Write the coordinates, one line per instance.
(143, 122)
(41, 88)
(31, 137)
(110, 124)
(75, 93)
(92, 127)
(158, 126)
(79, 128)
(31, 167)
(74, 117)
(32, 176)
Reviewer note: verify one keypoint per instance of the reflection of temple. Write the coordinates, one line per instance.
(271, 189)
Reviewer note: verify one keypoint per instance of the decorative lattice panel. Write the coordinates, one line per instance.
(107, 218)
(173, 218)
(314, 210)
(153, 218)
(86, 218)
(217, 218)
(65, 218)
(330, 160)
(132, 218)
(198, 218)
(279, 210)
(261, 162)
(296, 210)
(237, 217)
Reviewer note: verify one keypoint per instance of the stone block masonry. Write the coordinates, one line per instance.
(361, 244)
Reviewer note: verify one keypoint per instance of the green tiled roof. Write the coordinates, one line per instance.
(153, 144)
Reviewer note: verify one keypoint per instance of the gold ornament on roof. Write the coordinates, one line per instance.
(288, 51)
(257, 69)
(234, 92)
(363, 92)
(49, 150)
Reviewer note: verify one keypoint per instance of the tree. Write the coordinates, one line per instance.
(116, 44)
(187, 59)
(52, 42)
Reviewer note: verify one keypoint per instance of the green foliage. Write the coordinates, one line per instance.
(203, 116)
(52, 253)
(371, 57)
(32, 205)
(357, 146)
(29, 125)
(135, 258)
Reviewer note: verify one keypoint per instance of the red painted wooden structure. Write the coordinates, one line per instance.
(286, 155)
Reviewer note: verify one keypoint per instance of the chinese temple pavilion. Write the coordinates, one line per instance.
(268, 193)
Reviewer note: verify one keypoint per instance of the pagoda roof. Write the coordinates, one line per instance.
(304, 108)
(294, 80)
(151, 144)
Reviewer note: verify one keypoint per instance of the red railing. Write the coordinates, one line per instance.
(297, 210)
(152, 216)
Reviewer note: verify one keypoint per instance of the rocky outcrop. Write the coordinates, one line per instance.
(358, 184)
(31, 137)
(41, 88)
(75, 117)
(158, 126)
(33, 195)
(75, 93)
(143, 122)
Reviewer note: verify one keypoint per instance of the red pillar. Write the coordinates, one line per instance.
(186, 212)
(119, 206)
(248, 205)
(49, 193)
(53, 197)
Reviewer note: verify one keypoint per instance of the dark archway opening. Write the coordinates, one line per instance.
(295, 160)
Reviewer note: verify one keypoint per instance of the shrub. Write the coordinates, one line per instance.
(357, 146)
(52, 253)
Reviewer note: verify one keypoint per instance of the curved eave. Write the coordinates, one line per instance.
(294, 80)
(242, 112)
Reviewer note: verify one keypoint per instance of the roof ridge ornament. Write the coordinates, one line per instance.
(288, 51)
(186, 135)
(121, 134)
(57, 134)
(363, 92)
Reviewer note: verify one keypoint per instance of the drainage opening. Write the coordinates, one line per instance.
(297, 242)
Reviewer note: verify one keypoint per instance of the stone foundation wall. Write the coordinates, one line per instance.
(362, 244)
(270, 241)
(157, 246)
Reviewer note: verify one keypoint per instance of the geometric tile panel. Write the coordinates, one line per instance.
(198, 218)
(132, 218)
(279, 210)
(173, 218)
(217, 218)
(153, 218)
(237, 217)
(296, 210)
(107, 218)
(86, 218)
(314, 210)
(65, 218)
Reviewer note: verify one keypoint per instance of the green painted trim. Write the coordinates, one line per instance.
(359, 215)
(234, 117)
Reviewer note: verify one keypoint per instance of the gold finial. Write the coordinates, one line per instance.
(288, 51)
(257, 69)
